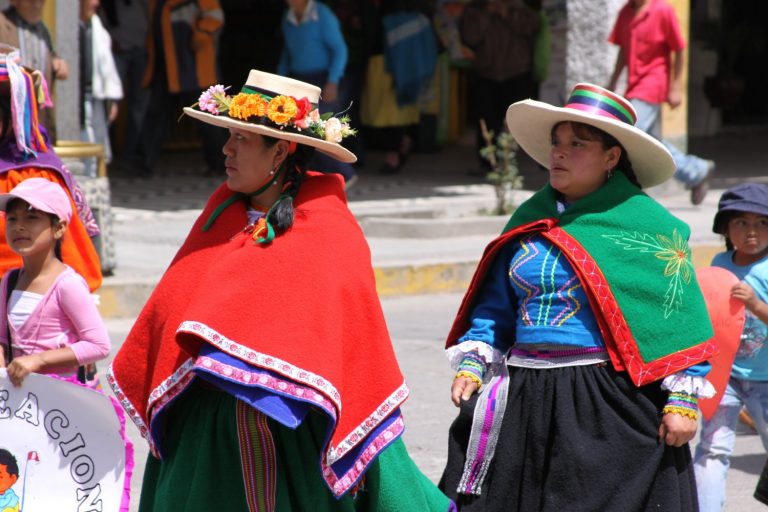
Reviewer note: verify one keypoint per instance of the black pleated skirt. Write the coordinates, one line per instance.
(579, 438)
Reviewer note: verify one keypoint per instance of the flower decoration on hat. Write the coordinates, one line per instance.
(283, 112)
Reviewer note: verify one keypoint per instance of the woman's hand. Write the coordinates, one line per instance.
(22, 366)
(330, 92)
(462, 389)
(676, 429)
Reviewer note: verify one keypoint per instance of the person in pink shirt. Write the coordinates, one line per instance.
(51, 323)
(651, 48)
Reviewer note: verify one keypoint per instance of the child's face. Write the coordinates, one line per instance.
(749, 234)
(6, 480)
(29, 231)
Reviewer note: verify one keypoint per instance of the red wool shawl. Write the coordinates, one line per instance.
(304, 306)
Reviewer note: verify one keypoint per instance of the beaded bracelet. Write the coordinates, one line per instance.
(472, 367)
(470, 376)
(683, 404)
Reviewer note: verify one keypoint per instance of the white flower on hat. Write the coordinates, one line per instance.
(333, 130)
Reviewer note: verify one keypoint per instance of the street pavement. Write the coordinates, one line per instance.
(426, 227)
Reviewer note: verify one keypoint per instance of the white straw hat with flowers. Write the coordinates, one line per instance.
(279, 107)
(530, 122)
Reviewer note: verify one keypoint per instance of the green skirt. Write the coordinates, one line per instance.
(203, 467)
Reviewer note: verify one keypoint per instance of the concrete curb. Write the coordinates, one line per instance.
(124, 298)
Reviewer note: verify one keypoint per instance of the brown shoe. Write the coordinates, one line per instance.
(699, 191)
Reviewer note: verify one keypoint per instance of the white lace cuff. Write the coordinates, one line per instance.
(490, 355)
(693, 385)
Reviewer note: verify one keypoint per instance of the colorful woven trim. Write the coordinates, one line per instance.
(602, 102)
(683, 404)
(556, 353)
(25, 98)
(257, 456)
(472, 366)
(486, 425)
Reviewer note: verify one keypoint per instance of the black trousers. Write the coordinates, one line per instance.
(165, 106)
(491, 98)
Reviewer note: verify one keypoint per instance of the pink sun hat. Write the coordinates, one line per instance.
(42, 195)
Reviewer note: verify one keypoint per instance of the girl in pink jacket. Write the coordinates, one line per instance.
(51, 323)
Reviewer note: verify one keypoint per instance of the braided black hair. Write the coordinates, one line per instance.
(295, 164)
(589, 132)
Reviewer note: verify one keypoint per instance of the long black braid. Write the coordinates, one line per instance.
(281, 215)
(589, 132)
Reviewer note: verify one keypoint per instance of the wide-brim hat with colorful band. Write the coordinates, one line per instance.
(530, 122)
(279, 107)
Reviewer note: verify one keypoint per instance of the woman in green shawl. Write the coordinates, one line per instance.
(584, 330)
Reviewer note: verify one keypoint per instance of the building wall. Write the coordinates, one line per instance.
(590, 57)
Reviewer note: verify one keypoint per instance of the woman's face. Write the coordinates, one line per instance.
(249, 161)
(578, 166)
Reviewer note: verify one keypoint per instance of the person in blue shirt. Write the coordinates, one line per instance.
(314, 51)
(742, 218)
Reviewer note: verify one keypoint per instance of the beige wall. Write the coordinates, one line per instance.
(675, 122)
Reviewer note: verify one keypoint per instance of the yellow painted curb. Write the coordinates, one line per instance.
(430, 278)
(455, 277)
(125, 299)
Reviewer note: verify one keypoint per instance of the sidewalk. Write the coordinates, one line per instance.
(427, 226)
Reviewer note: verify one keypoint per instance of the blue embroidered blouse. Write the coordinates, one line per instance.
(533, 296)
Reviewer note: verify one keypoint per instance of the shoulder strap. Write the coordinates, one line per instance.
(13, 277)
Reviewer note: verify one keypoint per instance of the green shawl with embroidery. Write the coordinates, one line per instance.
(642, 252)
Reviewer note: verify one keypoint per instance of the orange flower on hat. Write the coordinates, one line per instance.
(244, 106)
(282, 109)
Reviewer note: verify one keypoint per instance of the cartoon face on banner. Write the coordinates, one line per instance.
(61, 447)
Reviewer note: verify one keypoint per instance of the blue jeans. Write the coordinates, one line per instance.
(691, 170)
(718, 436)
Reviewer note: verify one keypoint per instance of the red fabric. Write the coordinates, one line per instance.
(648, 41)
(308, 299)
(619, 340)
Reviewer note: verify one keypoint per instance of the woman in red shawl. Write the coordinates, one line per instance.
(249, 369)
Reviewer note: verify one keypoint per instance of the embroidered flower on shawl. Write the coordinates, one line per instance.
(674, 251)
(677, 255)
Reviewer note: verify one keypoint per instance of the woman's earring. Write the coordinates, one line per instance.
(609, 174)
